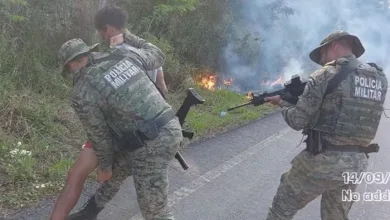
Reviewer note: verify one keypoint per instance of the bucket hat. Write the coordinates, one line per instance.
(357, 47)
(73, 48)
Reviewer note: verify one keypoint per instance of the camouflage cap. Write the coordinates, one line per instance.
(357, 47)
(73, 48)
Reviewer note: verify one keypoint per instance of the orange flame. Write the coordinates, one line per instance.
(249, 95)
(208, 82)
(278, 81)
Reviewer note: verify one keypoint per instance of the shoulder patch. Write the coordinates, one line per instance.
(310, 83)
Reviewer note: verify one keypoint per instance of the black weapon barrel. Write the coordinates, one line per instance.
(239, 106)
(192, 98)
(181, 160)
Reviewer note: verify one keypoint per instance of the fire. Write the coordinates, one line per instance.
(212, 81)
(278, 81)
(249, 95)
(208, 82)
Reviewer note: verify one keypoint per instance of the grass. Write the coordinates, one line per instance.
(206, 119)
(40, 137)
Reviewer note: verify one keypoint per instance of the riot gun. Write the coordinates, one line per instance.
(290, 93)
(192, 98)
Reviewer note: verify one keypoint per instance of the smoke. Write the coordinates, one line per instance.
(293, 67)
(273, 37)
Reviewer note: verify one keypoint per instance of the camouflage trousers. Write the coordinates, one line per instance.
(311, 176)
(149, 167)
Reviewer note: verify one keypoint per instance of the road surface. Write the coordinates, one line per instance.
(234, 176)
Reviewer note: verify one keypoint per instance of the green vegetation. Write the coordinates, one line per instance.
(40, 136)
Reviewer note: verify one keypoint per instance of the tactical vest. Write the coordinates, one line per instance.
(355, 107)
(132, 98)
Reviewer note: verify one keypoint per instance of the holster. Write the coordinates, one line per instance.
(314, 143)
(148, 131)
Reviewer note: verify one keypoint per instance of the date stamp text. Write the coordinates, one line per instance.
(366, 177)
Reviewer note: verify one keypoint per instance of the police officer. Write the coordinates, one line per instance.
(133, 130)
(339, 110)
(117, 37)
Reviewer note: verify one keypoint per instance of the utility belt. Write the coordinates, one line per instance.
(148, 131)
(353, 148)
(315, 145)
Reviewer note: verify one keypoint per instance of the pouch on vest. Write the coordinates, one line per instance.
(132, 141)
(149, 130)
(314, 142)
(128, 140)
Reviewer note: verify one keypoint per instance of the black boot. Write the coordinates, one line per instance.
(89, 211)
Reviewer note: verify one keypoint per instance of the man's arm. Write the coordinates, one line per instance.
(96, 127)
(300, 115)
(160, 81)
(284, 103)
(150, 55)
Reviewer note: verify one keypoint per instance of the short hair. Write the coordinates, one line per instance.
(110, 15)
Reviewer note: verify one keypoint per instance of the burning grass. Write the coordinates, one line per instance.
(207, 82)
(278, 81)
(206, 119)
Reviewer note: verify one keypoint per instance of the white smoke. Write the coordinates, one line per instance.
(285, 43)
(293, 67)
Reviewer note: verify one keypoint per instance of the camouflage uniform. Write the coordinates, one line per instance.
(313, 175)
(122, 93)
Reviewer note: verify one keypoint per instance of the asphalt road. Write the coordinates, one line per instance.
(234, 176)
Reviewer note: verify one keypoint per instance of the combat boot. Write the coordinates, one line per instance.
(89, 211)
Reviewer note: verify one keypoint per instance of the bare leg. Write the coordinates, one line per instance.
(83, 166)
